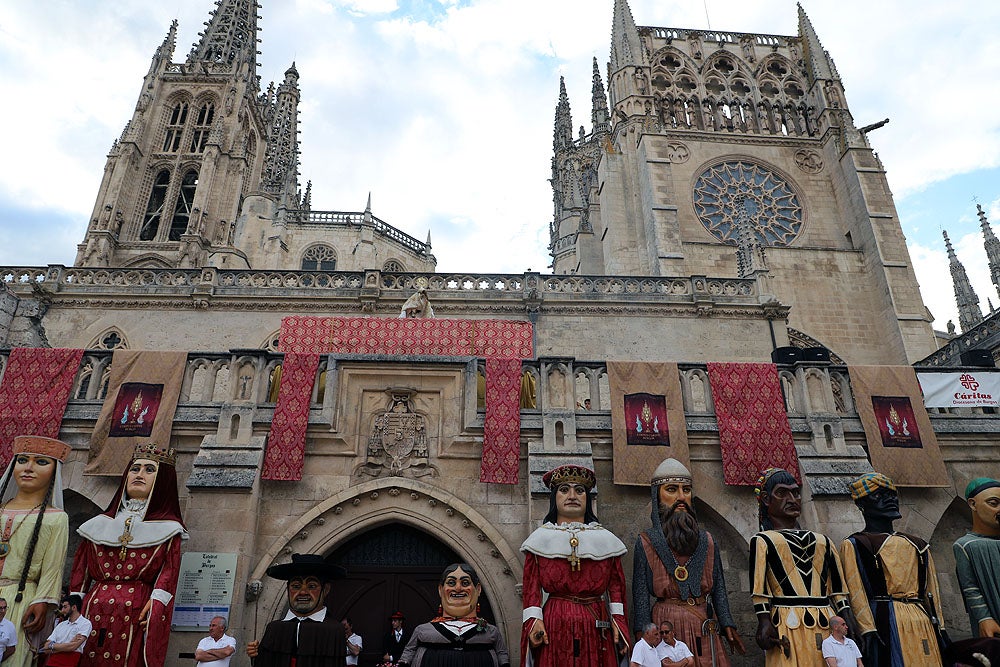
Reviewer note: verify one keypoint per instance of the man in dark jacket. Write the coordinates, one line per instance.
(395, 640)
(307, 636)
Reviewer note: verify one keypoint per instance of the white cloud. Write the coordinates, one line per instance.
(445, 113)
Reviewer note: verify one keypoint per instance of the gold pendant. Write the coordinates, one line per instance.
(681, 573)
(574, 560)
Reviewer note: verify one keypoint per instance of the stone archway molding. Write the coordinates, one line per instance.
(397, 499)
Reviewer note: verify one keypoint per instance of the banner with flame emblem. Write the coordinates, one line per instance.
(135, 409)
(139, 407)
(901, 441)
(896, 423)
(647, 419)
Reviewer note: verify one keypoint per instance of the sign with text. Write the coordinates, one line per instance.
(204, 589)
(960, 390)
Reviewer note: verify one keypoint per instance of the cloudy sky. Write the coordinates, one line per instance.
(443, 110)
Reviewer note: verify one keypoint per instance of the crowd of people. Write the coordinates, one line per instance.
(872, 600)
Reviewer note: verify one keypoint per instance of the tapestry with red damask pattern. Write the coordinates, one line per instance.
(754, 433)
(502, 423)
(34, 393)
(285, 455)
(508, 340)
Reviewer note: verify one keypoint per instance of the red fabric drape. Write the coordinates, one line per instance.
(34, 393)
(286, 444)
(503, 343)
(754, 433)
(502, 424)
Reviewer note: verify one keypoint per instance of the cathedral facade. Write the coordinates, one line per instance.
(722, 205)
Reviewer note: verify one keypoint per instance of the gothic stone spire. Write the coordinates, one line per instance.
(599, 113)
(281, 161)
(229, 42)
(626, 48)
(563, 133)
(819, 62)
(969, 314)
(992, 245)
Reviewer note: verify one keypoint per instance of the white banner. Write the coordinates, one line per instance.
(960, 390)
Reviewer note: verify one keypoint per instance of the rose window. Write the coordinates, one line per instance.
(730, 192)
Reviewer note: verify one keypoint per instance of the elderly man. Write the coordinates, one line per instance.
(644, 653)
(839, 650)
(891, 580)
(678, 563)
(577, 562)
(307, 636)
(217, 648)
(977, 558)
(795, 577)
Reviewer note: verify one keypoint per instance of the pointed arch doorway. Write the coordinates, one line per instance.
(393, 567)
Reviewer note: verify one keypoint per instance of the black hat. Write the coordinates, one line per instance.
(307, 565)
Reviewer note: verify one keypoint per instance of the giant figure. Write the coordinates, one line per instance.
(795, 577)
(679, 564)
(127, 565)
(891, 581)
(576, 561)
(308, 635)
(34, 531)
(458, 637)
(977, 558)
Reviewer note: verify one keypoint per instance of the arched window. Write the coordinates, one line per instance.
(175, 128)
(393, 266)
(112, 339)
(182, 208)
(154, 210)
(202, 127)
(319, 258)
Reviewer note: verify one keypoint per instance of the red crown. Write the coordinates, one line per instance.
(155, 452)
(36, 444)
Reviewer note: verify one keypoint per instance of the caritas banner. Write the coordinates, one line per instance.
(960, 390)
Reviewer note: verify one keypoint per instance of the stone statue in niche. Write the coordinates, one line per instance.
(398, 441)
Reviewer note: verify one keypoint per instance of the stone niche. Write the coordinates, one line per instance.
(402, 418)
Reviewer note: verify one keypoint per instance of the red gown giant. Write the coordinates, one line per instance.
(130, 556)
(575, 604)
(117, 591)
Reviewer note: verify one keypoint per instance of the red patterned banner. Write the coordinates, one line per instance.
(502, 424)
(286, 444)
(34, 393)
(490, 339)
(506, 340)
(754, 433)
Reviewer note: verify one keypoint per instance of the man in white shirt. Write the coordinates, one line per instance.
(672, 651)
(839, 650)
(8, 633)
(353, 641)
(644, 653)
(215, 649)
(65, 645)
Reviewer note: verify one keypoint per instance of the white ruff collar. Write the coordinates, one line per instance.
(103, 529)
(552, 541)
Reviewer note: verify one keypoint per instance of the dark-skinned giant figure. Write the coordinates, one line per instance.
(795, 577)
